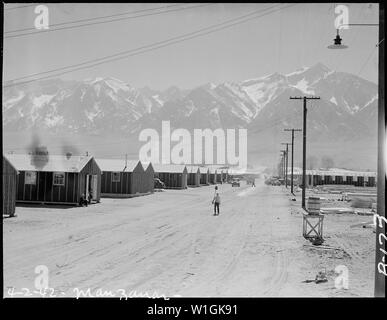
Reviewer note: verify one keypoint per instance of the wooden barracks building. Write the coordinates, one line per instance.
(204, 176)
(150, 173)
(337, 176)
(193, 179)
(173, 175)
(10, 175)
(56, 179)
(125, 178)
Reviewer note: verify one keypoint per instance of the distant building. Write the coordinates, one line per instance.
(223, 174)
(213, 174)
(217, 174)
(173, 175)
(235, 172)
(219, 177)
(193, 179)
(9, 187)
(125, 179)
(204, 176)
(150, 174)
(337, 176)
(56, 179)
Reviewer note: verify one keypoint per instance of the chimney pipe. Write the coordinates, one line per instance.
(126, 161)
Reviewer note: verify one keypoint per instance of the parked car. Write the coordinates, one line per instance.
(159, 184)
(235, 183)
(273, 181)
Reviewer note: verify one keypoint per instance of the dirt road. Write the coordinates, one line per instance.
(169, 243)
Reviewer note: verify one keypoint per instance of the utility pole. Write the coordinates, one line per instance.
(280, 167)
(291, 177)
(305, 99)
(283, 163)
(286, 163)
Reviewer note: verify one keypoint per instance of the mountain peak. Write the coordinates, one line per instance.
(113, 83)
(104, 79)
(210, 85)
(309, 76)
(320, 67)
(276, 76)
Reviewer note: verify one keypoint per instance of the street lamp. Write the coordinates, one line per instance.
(337, 43)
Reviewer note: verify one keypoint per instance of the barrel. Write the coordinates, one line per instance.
(313, 205)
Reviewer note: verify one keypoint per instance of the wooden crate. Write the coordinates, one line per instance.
(312, 226)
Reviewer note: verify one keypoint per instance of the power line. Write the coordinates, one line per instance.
(143, 49)
(95, 18)
(371, 54)
(21, 7)
(367, 60)
(131, 50)
(99, 22)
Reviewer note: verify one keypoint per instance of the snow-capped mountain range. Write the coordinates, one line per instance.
(348, 105)
(341, 125)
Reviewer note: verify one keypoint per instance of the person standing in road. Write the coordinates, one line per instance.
(216, 202)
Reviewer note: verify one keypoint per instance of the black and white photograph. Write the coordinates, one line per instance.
(193, 150)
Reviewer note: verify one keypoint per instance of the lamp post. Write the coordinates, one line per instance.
(380, 274)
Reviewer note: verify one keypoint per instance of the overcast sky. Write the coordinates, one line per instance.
(279, 42)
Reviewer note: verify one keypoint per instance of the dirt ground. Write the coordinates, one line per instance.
(169, 243)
